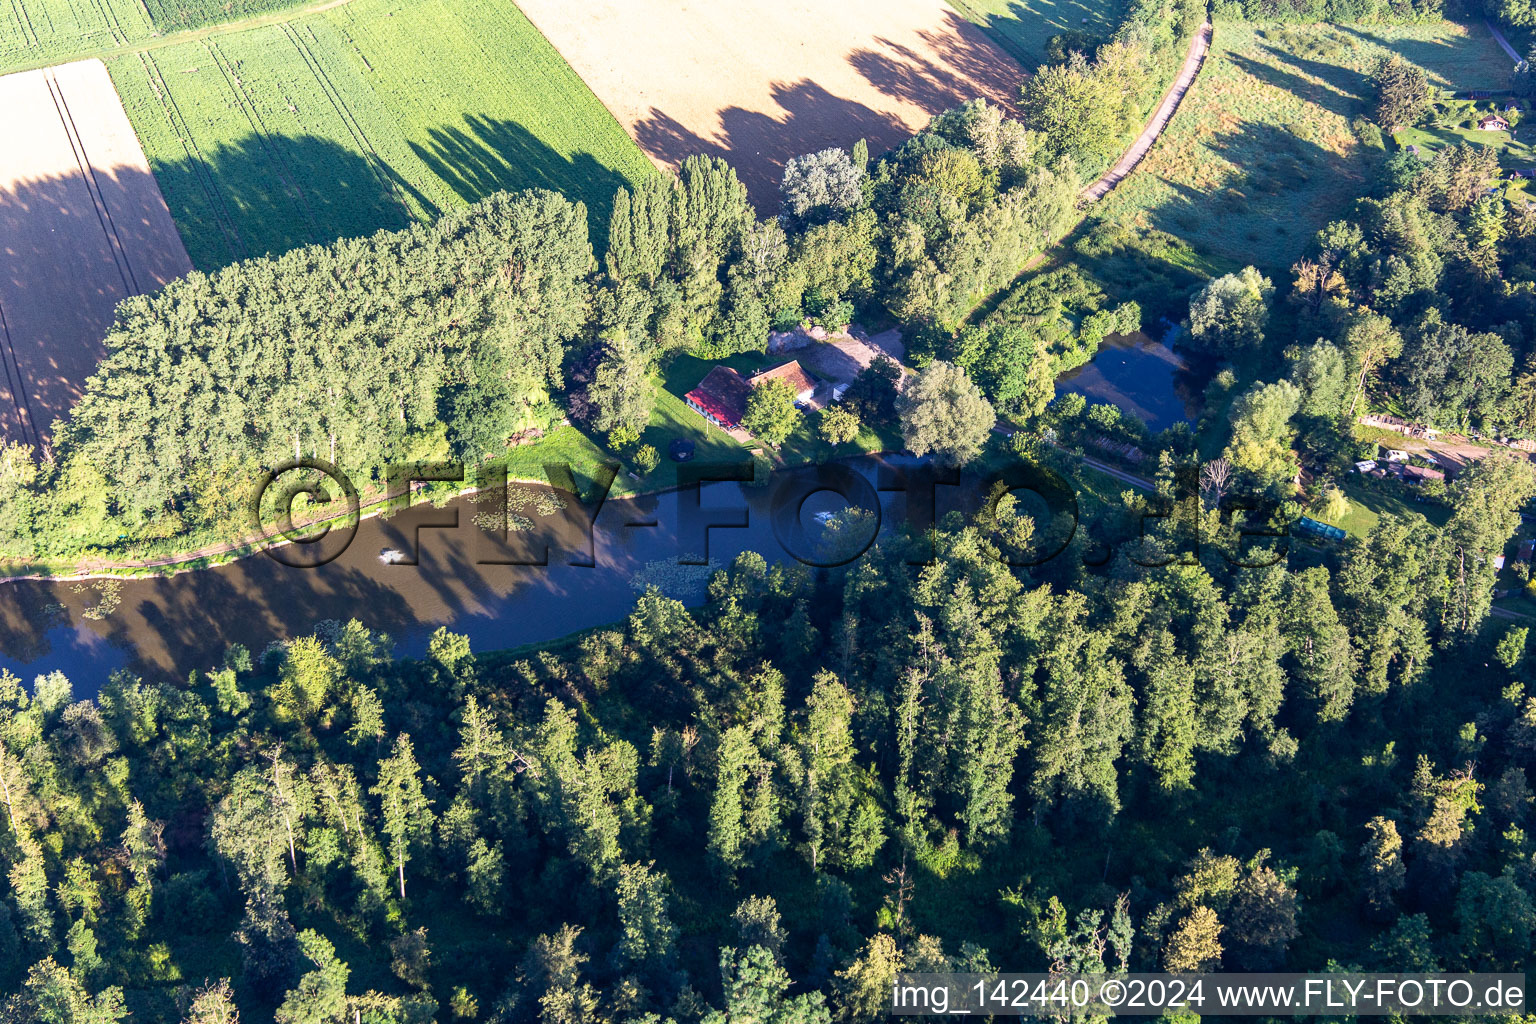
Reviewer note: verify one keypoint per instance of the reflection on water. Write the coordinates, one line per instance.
(1141, 375)
(462, 580)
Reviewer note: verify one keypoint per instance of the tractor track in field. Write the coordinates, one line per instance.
(247, 104)
(93, 188)
(160, 42)
(348, 118)
(202, 172)
(25, 20)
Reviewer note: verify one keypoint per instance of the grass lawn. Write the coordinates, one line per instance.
(1023, 27)
(1261, 155)
(670, 420)
(1368, 504)
(804, 446)
(365, 116)
(1516, 149)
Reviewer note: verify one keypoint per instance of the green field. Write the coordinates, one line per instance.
(34, 33)
(42, 31)
(308, 125)
(362, 117)
(1261, 154)
(1023, 27)
(171, 15)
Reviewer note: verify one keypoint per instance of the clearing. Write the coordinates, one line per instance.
(364, 116)
(82, 227)
(759, 82)
(1261, 154)
(1453, 122)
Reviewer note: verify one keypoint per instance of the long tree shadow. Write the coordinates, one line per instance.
(1278, 190)
(1337, 90)
(961, 64)
(72, 246)
(1016, 31)
(485, 155)
(1432, 53)
(266, 195)
(758, 145)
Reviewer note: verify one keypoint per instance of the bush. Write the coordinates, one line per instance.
(837, 425)
(623, 438)
(1367, 134)
(835, 317)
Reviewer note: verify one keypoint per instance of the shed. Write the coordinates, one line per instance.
(791, 373)
(1319, 529)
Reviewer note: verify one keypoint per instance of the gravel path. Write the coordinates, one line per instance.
(1498, 37)
(1198, 47)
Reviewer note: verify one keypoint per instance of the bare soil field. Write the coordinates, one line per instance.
(759, 82)
(82, 227)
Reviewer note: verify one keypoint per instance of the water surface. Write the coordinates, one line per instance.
(1143, 376)
(171, 625)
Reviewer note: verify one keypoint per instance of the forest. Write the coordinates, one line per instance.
(761, 808)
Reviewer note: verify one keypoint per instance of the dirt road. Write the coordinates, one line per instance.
(1199, 46)
(1498, 37)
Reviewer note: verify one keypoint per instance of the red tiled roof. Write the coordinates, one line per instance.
(723, 394)
(791, 373)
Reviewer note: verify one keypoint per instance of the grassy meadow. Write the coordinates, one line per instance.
(1261, 153)
(362, 117)
(1023, 27)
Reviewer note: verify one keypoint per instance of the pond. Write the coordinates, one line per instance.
(168, 626)
(1143, 376)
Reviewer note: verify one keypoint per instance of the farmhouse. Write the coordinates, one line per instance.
(791, 373)
(721, 398)
(1492, 123)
